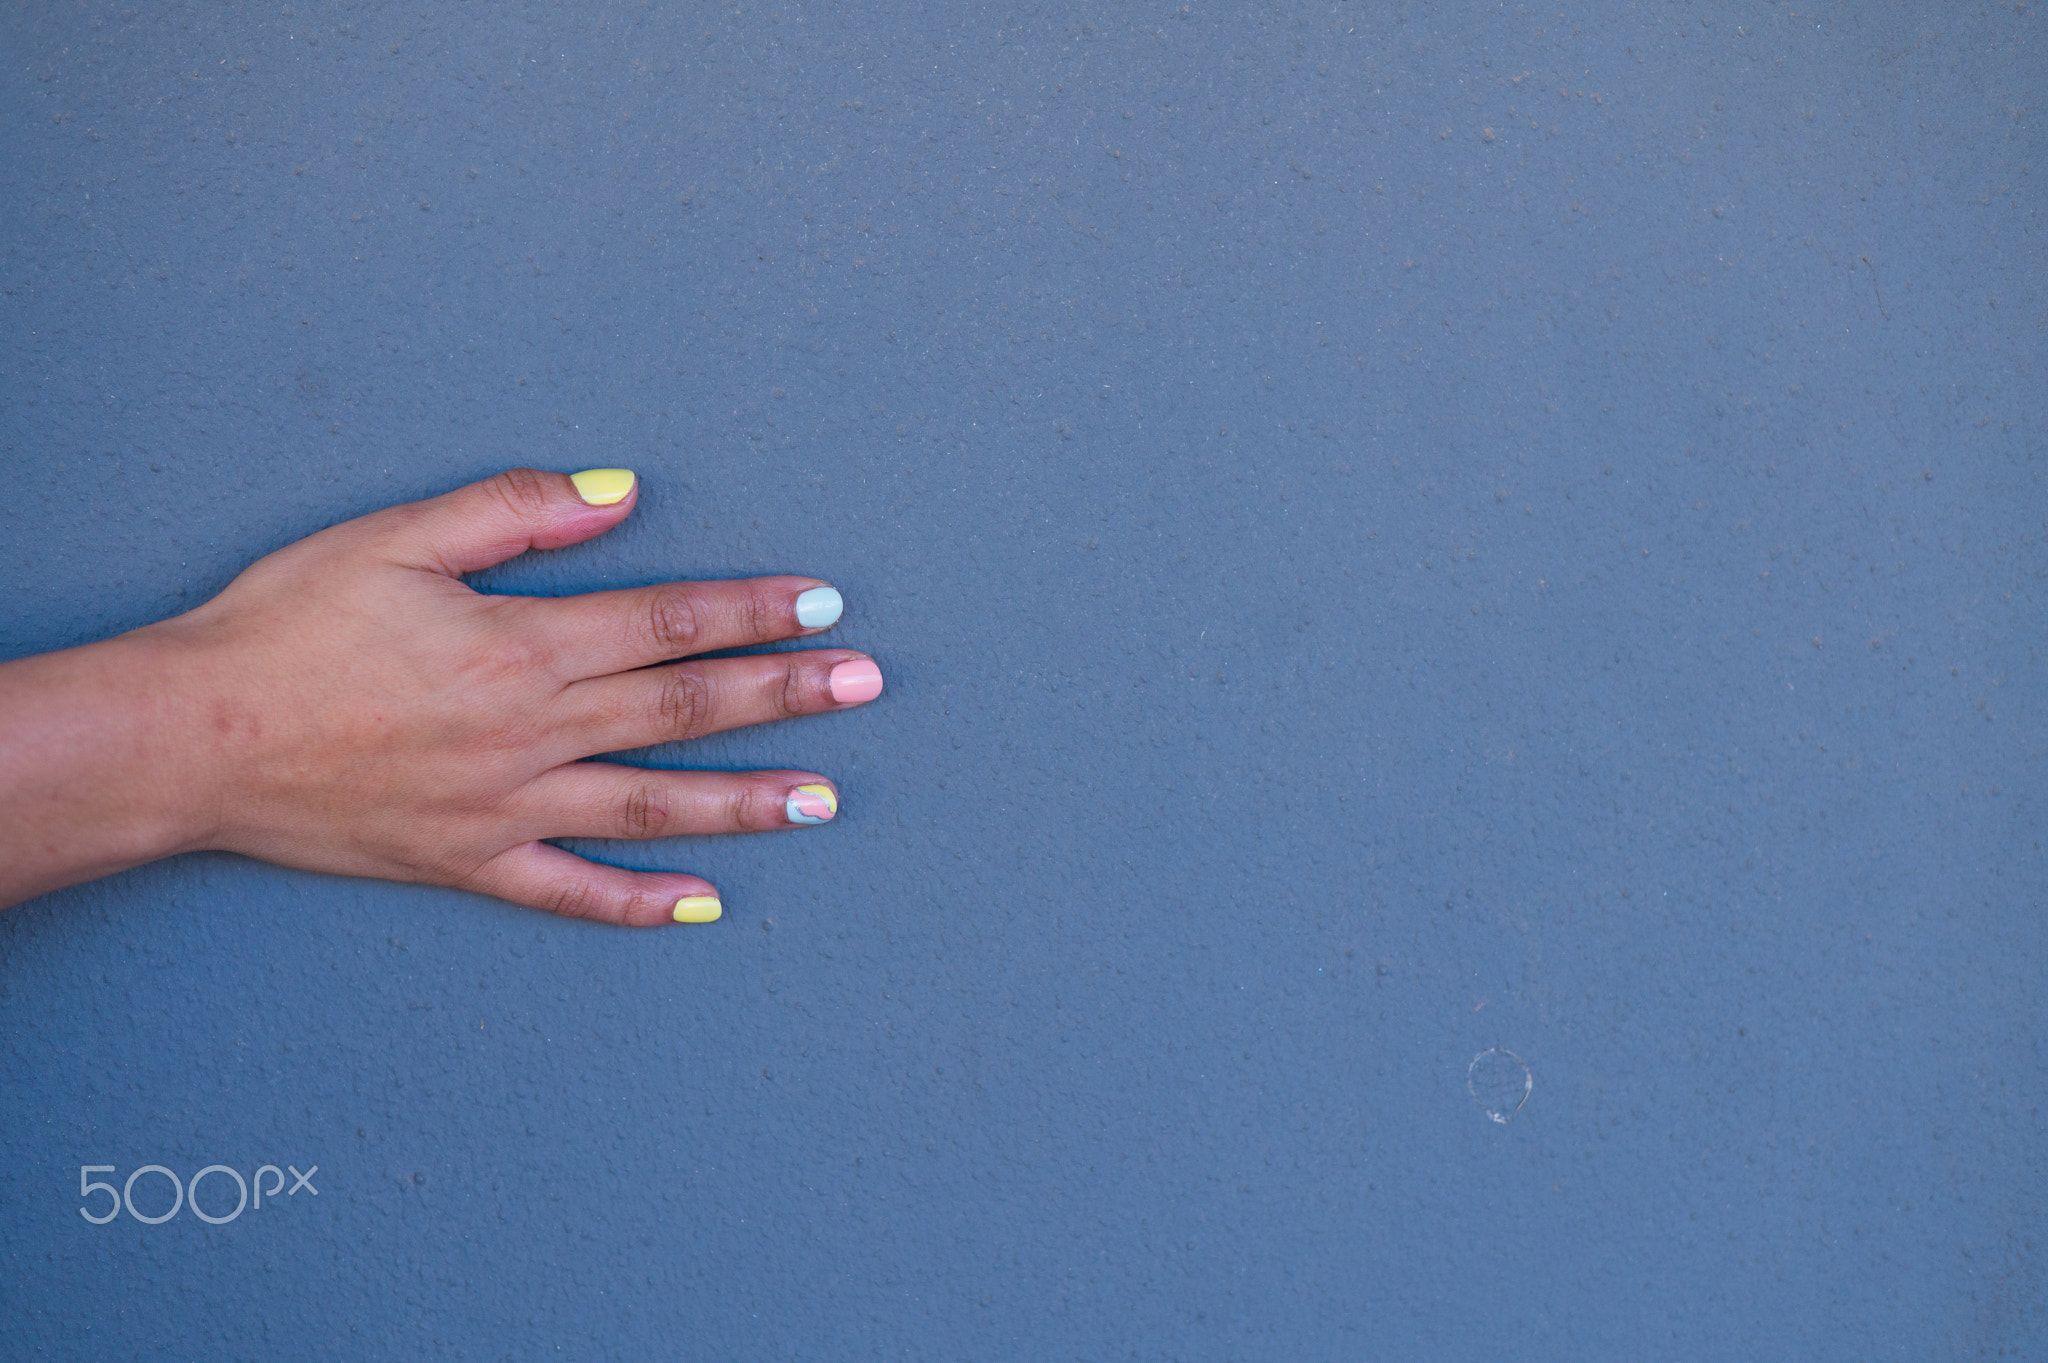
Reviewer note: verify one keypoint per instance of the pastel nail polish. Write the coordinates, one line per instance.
(603, 487)
(819, 607)
(811, 804)
(698, 908)
(856, 681)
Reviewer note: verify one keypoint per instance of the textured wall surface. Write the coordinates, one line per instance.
(1393, 530)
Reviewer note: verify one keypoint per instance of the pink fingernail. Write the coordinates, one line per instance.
(856, 681)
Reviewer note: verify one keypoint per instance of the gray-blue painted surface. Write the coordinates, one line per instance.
(1392, 530)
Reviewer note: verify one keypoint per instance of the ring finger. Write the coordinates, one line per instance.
(607, 800)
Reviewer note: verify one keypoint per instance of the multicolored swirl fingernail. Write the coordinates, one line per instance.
(811, 804)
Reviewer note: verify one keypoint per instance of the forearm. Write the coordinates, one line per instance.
(100, 765)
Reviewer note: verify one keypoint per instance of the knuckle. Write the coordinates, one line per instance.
(641, 908)
(645, 812)
(399, 521)
(748, 805)
(790, 698)
(672, 619)
(511, 655)
(577, 899)
(685, 705)
(764, 621)
(523, 491)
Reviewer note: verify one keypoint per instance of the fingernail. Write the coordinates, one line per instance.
(819, 607)
(811, 804)
(603, 487)
(698, 908)
(856, 681)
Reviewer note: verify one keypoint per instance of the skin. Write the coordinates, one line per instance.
(347, 705)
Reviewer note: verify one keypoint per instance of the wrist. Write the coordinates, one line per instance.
(171, 739)
(99, 768)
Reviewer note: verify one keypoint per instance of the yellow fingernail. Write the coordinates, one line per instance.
(603, 487)
(698, 908)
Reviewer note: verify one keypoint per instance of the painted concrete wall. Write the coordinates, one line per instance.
(1393, 530)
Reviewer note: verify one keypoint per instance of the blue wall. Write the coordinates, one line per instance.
(1393, 530)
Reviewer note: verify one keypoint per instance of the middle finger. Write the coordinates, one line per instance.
(689, 700)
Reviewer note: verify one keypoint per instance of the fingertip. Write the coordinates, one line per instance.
(697, 908)
(856, 681)
(601, 499)
(686, 899)
(819, 608)
(604, 487)
(812, 802)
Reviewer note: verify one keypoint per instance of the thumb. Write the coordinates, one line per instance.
(502, 517)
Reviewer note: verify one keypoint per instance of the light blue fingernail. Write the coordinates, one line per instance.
(818, 607)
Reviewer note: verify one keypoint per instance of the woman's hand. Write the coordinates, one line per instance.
(347, 705)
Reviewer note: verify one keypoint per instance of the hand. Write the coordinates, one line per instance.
(348, 705)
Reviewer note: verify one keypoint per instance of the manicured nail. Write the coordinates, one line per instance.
(603, 487)
(818, 607)
(856, 681)
(811, 804)
(698, 908)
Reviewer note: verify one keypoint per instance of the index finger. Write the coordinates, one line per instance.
(617, 631)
